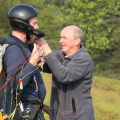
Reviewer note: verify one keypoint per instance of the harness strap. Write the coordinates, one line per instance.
(46, 109)
(34, 112)
(38, 106)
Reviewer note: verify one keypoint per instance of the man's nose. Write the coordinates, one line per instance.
(60, 41)
(36, 27)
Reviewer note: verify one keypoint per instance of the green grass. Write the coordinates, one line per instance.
(106, 98)
(48, 80)
(105, 93)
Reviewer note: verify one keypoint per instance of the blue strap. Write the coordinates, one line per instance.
(11, 101)
(4, 100)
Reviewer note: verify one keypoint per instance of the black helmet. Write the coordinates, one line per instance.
(19, 16)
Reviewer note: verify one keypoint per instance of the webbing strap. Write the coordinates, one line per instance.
(46, 109)
(33, 112)
(13, 43)
(37, 107)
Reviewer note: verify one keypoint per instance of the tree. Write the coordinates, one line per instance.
(94, 18)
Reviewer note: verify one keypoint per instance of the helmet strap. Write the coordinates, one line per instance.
(28, 36)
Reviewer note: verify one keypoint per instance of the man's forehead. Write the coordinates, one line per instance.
(33, 19)
(71, 27)
(67, 30)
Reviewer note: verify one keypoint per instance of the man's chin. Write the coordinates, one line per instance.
(63, 50)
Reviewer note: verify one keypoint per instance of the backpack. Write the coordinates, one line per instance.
(7, 102)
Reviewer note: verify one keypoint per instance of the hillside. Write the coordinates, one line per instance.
(106, 98)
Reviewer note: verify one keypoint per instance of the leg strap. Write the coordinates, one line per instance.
(34, 111)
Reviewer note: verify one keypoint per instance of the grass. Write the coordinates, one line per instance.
(47, 80)
(106, 98)
(105, 93)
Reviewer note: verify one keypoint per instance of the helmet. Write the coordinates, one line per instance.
(19, 16)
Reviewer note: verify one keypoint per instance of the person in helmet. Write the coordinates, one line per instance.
(24, 23)
(19, 19)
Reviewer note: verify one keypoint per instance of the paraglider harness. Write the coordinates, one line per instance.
(9, 102)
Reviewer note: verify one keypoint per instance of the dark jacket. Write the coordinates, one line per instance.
(71, 86)
(14, 58)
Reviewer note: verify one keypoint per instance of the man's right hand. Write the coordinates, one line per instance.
(35, 57)
(40, 41)
(44, 46)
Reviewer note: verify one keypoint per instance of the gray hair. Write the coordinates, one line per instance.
(78, 33)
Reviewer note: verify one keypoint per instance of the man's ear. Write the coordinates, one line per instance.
(77, 41)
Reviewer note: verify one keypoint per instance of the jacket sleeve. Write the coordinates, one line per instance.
(75, 70)
(13, 59)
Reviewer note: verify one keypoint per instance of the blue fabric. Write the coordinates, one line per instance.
(14, 58)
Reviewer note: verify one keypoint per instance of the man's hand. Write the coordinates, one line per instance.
(39, 41)
(44, 46)
(35, 57)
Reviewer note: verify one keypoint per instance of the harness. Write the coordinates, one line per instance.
(9, 105)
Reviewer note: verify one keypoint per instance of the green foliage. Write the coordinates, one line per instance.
(111, 67)
(56, 2)
(91, 17)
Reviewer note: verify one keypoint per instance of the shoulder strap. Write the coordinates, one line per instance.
(34, 112)
(3, 41)
(13, 43)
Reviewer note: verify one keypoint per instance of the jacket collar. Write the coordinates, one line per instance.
(82, 48)
(12, 38)
(62, 56)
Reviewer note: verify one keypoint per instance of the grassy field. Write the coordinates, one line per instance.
(105, 93)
